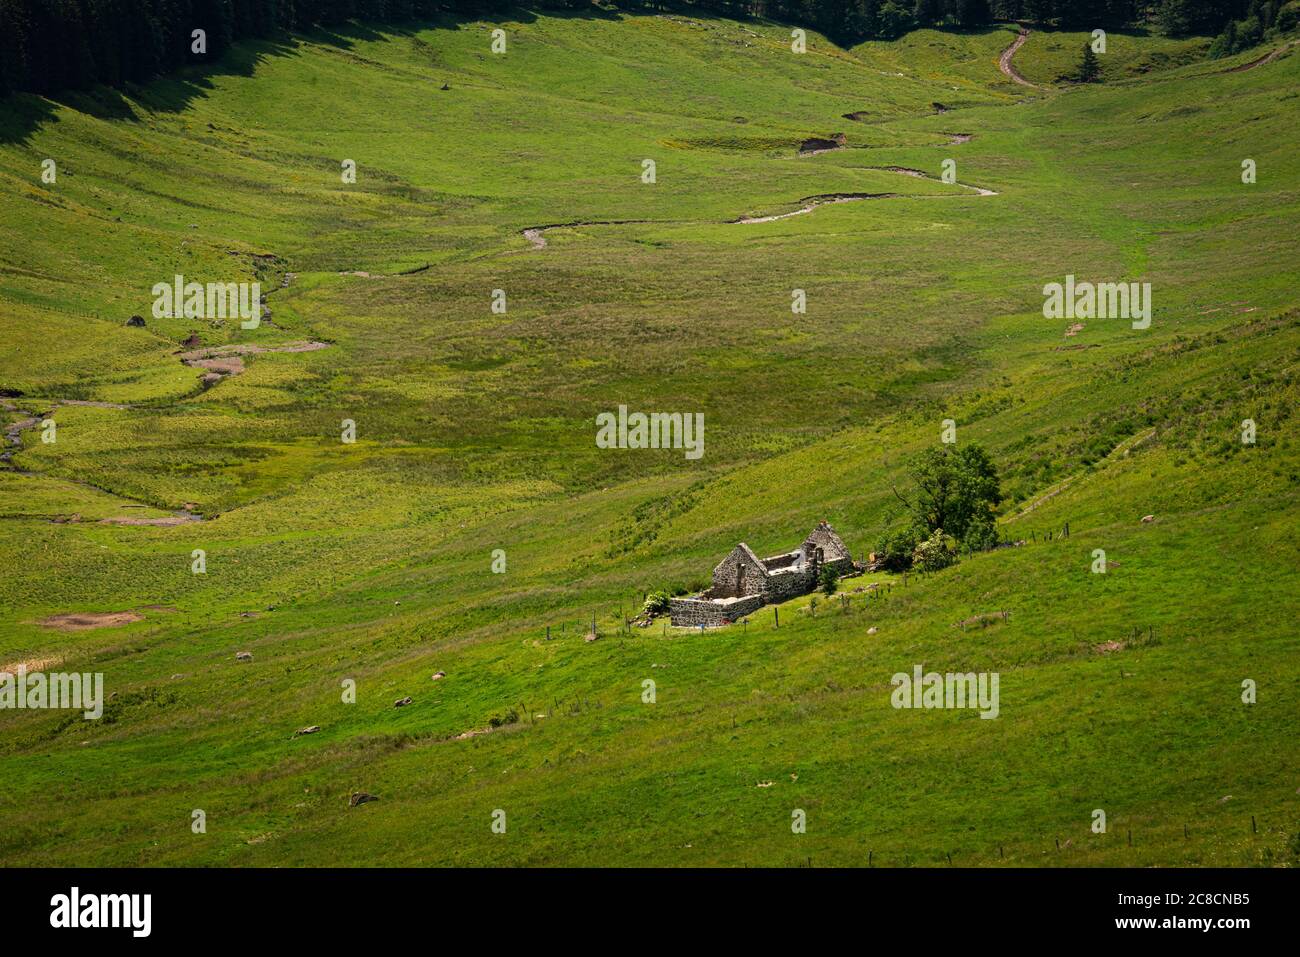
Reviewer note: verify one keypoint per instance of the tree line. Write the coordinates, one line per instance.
(52, 45)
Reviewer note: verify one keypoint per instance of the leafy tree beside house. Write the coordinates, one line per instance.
(954, 496)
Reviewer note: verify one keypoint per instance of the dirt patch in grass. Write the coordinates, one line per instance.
(221, 361)
(232, 365)
(165, 522)
(85, 620)
(248, 348)
(32, 664)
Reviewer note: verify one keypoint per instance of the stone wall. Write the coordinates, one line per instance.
(740, 573)
(786, 585)
(693, 612)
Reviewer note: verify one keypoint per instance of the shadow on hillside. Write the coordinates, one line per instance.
(23, 114)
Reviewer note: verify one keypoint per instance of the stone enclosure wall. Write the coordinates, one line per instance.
(693, 612)
(786, 585)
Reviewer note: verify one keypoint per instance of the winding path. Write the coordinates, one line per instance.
(1266, 58)
(1004, 61)
(535, 234)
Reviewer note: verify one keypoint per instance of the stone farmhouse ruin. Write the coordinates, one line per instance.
(743, 582)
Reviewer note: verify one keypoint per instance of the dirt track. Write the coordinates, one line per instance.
(1266, 58)
(1004, 61)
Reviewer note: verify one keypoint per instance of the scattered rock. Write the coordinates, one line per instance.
(439, 675)
(360, 797)
(872, 630)
(402, 702)
(591, 637)
(310, 729)
(243, 656)
(1148, 518)
(136, 321)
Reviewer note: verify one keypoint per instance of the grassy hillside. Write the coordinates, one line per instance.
(1055, 54)
(372, 561)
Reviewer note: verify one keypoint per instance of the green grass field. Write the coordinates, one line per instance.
(372, 560)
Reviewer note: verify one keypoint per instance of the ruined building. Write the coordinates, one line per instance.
(743, 582)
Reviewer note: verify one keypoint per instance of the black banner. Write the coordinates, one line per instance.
(332, 906)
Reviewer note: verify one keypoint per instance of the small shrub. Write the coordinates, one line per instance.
(936, 552)
(656, 603)
(828, 579)
(895, 550)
